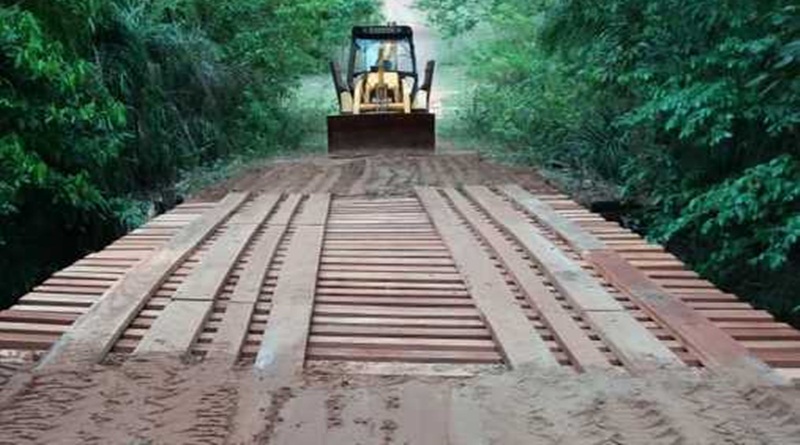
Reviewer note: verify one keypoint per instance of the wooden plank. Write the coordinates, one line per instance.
(15, 315)
(93, 335)
(42, 298)
(405, 355)
(35, 342)
(585, 293)
(232, 333)
(283, 346)
(432, 322)
(391, 276)
(32, 328)
(379, 230)
(578, 238)
(394, 301)
(252, 277)
(256, 211)
(176, 328)
(51, 308)
(316, 209)
(395, 219)
(95, 275)
(447, 344)
(286, 211)
(408, 293)
(764, 334)
(386, 254)
(388, 331)
(362, 236)
(386, 244)
(45, 288)
(781, 345)
(379, 284)
(577, 285)
(715, 347)
(233, 330)
(327, 267)
(206, 280)
(637, 348)
(415, 312)
(520, 343)
(81, 281)
(579, 347)
(384, 248)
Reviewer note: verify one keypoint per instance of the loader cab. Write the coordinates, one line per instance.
(390, 48)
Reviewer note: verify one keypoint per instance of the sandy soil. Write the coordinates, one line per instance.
(168, 402)
(380, 174)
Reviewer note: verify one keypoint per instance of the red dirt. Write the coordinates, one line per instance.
(381, 174)
(163, 401)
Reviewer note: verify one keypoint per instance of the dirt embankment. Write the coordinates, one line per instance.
(163, 401)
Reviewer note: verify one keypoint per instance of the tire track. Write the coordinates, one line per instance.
(466, 165)
(352, 171)
(748, 413)
(452, 170)
(359, 185)
(636, 420)
(30, 413)
(212, 422)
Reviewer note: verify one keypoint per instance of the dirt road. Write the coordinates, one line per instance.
(163, 402)
(372, 175)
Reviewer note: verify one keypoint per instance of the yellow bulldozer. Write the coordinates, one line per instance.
(383, 103)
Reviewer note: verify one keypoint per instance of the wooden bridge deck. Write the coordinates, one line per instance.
(446, 281)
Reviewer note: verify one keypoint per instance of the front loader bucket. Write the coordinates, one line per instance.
(414, 131)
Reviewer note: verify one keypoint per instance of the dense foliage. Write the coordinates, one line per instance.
(103, 103)
(690, 106)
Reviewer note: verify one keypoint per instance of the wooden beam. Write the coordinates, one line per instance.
(315, 211)
(520, 343)
(583, 291)
(583, 352)
(283, 346)
(578, 238)
(92, 335)
(175, 329)
(232, 331)
(715, 347)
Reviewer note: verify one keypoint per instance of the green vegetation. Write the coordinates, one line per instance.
(104, 104)
(689, 108)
